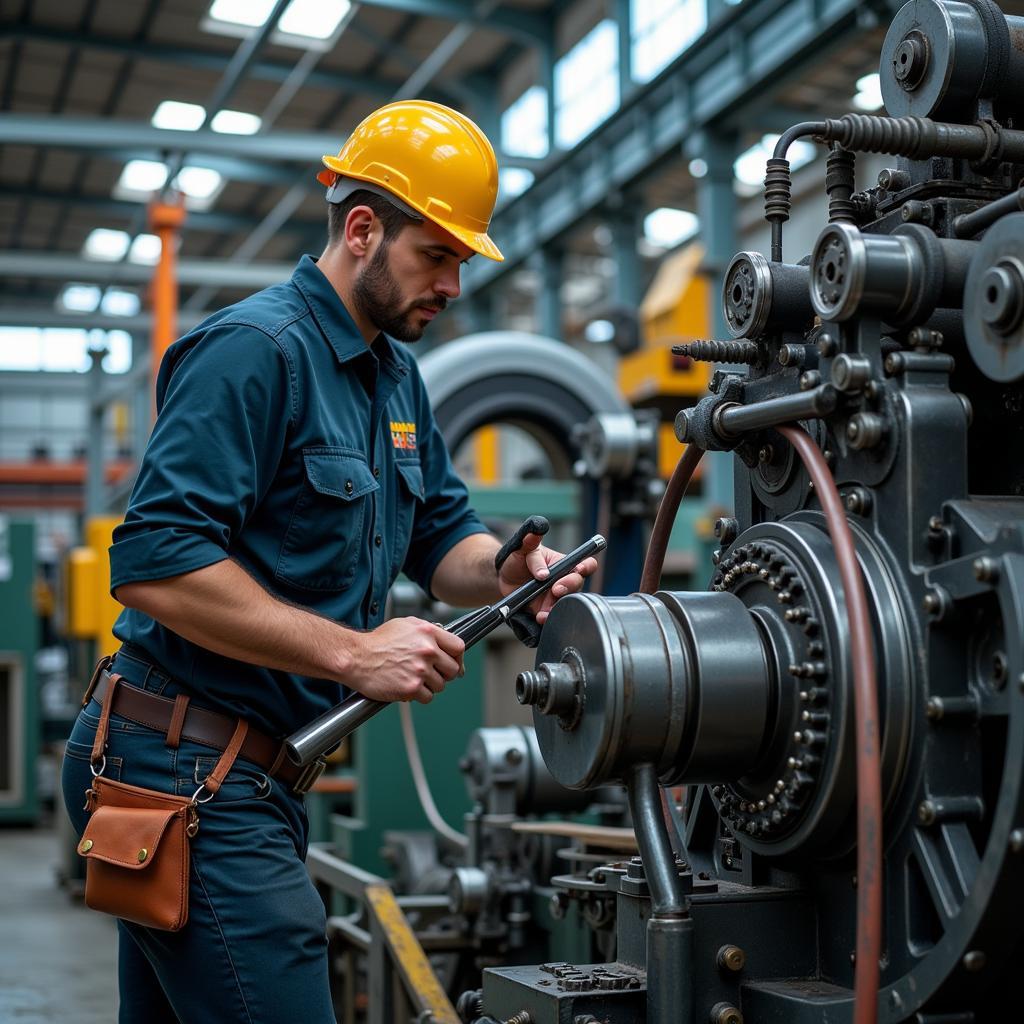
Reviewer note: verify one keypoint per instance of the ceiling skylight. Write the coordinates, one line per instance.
(306, 23)
(869, 93)
(667, 227)
(120, 303)
(145, 249)
(316, 19)
(141, 176)
(199, 182)
(235, 122)
(185, 117)
(250, 13)
(79, 298)
(105, 244)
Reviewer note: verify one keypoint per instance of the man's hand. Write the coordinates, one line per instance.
(405, 659)
(531, 561)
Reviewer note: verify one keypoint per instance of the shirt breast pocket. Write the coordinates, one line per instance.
(410, 492)
(324, 538)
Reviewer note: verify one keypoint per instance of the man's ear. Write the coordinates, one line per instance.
(359, 227)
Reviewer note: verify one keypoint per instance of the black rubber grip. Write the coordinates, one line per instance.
(532, 524)
(523, 624)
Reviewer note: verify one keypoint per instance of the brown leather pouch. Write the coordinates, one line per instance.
(136, 842)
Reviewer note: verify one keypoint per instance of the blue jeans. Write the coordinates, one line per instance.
(254, 950)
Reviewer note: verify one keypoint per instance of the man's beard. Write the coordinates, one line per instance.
(379, 298)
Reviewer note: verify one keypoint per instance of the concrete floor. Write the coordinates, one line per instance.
(58, 960)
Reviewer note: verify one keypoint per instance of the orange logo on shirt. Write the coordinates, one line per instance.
(403, 435)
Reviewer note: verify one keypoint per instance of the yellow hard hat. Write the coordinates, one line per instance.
(432, 158)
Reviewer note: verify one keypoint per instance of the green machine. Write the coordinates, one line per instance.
(19, 704)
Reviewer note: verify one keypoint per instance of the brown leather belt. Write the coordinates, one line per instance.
(209, 728)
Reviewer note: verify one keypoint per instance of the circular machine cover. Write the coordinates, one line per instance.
(537, 383)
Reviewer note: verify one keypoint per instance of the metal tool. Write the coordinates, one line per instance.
(327, 731)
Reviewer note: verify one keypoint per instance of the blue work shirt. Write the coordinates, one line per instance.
(284, 442)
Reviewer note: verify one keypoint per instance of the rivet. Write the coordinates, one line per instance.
(85, 846)
(1017, 840)
(986, 570)
(143, 854)
(974, 960)
(926, 812)
(349, 487)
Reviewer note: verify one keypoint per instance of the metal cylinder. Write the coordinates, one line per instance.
(679, 681)
(759, 295)
(940, 57)
(901, 278)
(670, 990)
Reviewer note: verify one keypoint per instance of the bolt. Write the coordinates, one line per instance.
(791, 355)
(915, 212)
(514, 755)
(986, 570)
(923, 338)
(724, 1013)
(858, 501)
(865, 430)
(766, 454)
(934, 709)
(827, 345)
(731, 958)
(1000, 669)
(974, 961)
(893, 180)
(926, 812)
(726, 529)
(934, 603)
(809, 379)
(1017, 840)
(850, 373)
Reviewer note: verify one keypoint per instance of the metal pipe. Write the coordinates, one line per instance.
(778, 183)
(967, 225)
(667, 896)
(734, 420)
(865, 704)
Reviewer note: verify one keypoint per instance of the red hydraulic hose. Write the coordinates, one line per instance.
(666, 517)
(865, 705)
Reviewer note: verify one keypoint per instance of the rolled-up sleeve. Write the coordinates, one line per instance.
(444, 517)
(225, 402)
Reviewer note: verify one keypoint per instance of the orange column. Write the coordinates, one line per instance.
(165, 221)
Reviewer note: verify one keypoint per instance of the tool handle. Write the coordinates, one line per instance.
(330, 728)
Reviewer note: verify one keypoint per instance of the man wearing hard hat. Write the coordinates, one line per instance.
(294, 470)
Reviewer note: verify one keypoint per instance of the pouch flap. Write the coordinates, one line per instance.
(412, 473)
(338, 473)
(126, 836)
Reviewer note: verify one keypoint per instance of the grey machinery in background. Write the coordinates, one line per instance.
(845, 700)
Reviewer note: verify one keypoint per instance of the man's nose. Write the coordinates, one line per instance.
(448, 283)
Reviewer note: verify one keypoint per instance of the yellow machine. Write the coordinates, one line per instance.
(676, 308)
(91, 611)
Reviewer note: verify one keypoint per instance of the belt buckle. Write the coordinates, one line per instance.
(308, 776)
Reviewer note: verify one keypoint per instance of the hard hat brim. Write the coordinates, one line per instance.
(480, 242)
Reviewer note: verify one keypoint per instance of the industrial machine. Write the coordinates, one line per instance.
(844, 700)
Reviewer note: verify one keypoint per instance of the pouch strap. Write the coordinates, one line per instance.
(101, 666)
(103, 729)
(227, 759)
(177, 721)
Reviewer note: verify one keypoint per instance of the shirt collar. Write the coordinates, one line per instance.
(335, 321)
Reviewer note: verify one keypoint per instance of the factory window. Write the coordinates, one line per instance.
(63, 349)
(524, 125)
(587, 84)
(662, 29)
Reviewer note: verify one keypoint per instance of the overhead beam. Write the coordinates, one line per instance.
(48, 316)
(28, 264)
(195, 57)
(514, 21)
(201, 220)
(749, 49)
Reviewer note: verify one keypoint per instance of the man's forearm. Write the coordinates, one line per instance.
(466, 576)
(222, 608)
